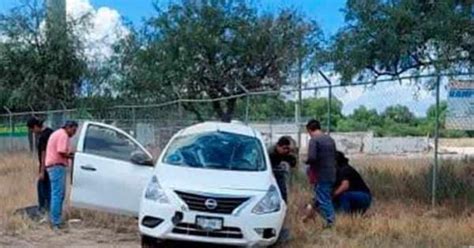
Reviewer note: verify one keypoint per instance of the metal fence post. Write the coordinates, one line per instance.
(329, 108)
(299, 104)
(134, 122)
(247, 109)
(10, 125)
(180, 114)
(436, 140)
(64, 112)
(329, 100)
(31, 135)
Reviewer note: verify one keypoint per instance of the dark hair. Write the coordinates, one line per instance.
(341, 159)
(70, 124)
(313, 125)
(284, 141)
(34, 122)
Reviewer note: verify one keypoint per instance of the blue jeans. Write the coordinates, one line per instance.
(323, 196)
(57, 176)
(281, 177)
(44, 193)
(354, 202)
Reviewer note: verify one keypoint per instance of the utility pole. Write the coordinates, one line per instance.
(329, 99)
(298, 103)
(436, 141)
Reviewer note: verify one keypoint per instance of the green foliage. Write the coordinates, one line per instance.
(388, 38)
(398, 114)
(202, 49)
(318, 108)
(362, 119)
(264, 108)
(398, 121)
(39, 67)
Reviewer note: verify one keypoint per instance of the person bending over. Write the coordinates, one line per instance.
(351, 194)
(281, 159)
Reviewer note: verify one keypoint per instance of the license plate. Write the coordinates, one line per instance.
(209, 223)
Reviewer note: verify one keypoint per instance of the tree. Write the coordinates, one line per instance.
(265, 108)
(318, 108)
(399, 114)
(215, 49)
(430, 122)
(362, 119)
(389, 38)
(40, 65)
(368, 116)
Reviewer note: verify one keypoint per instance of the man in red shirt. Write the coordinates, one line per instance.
(58, 154)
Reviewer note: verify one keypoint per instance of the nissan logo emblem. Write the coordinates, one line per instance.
(211, 204)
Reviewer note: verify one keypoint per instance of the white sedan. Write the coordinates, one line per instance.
(212, 183)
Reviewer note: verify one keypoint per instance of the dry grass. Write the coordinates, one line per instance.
(17, 188)
(461, 142)
(394, 221)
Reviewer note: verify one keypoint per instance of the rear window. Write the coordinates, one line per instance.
(216, 150)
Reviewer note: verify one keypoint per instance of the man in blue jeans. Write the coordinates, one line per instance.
(351, 194)
(322, 160)
(58, 154)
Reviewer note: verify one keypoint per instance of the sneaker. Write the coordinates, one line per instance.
(328, 231)
(43, 220)
(328, 226)
(56, 230)
(60, 229)
(64, 227)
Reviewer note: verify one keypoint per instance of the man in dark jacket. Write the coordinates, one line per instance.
(43, 186)
(351, 193)
(281, 159)
(322, 159)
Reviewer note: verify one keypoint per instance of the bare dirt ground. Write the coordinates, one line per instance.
(78, 236)
(390, 223)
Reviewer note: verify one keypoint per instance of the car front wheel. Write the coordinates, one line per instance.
(150, 242)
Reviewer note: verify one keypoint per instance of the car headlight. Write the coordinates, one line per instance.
(270, 203)
(155, 192)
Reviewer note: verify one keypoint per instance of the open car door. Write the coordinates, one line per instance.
(110, 170)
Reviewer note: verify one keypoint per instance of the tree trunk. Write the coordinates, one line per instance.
(229, 113)
(192, 109)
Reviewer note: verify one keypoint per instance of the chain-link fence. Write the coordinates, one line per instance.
(381, 124)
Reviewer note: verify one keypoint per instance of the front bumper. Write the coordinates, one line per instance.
(242, 228)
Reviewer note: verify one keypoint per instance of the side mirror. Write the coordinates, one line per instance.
(140, 158)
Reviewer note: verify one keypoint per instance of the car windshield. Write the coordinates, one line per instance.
(216, 150)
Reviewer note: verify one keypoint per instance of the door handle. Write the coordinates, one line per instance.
(88, 168)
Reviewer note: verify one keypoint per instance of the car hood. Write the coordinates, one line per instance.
(216, 181)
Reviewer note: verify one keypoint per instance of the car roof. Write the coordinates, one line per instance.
(212, 126)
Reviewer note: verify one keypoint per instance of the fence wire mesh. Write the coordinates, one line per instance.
(384, 127)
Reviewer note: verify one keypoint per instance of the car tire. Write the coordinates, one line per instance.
(150, 242)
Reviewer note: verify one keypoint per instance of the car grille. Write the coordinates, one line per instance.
(225, 205)
(194, 230)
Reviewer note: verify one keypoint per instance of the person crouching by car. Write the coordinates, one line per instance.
(281, 159)
(351, 194)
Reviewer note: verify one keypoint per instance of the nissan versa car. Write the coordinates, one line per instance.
(212, 183)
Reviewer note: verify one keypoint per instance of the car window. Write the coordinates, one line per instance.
(109, 143)
(216, 150)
